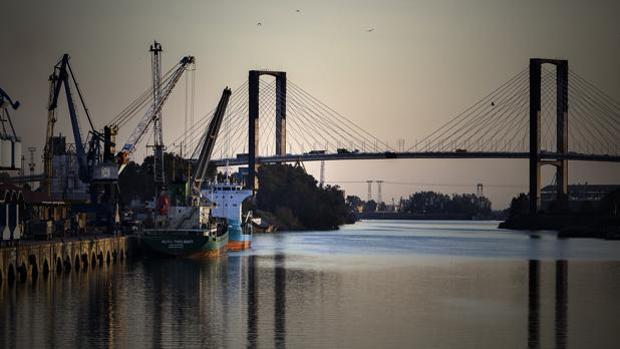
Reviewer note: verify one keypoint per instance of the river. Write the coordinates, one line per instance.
(374, 284)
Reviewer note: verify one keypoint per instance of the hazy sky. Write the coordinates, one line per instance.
(425, 62)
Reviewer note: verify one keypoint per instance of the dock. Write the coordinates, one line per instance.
(29, 260)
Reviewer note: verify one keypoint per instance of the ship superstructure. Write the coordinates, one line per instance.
(228, 199)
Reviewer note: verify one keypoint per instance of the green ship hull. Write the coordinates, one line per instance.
(185, 242)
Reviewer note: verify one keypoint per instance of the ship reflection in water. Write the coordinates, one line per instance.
(374, 284)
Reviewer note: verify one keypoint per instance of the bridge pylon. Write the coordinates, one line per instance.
(560, 163)
(253, 122)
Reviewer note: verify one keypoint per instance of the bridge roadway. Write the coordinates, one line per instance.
(389, 155)
(416, 155)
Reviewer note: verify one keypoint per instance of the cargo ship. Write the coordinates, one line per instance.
(186, 231)
(190, 228)
(228, 199)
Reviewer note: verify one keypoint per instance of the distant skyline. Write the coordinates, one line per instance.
(422, 63)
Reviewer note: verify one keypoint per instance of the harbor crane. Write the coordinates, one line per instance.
(91, 164)
(88, 160)
(98, 166)
(167, 85)
(99, 192)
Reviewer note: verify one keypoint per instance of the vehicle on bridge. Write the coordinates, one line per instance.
(347, 151)
(390, 154)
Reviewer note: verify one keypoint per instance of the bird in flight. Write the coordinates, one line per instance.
(370, 29)
(259, 24)
(298, 10)
(492, 104)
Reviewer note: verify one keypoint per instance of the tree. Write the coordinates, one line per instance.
(610, 204)
(353, 202)
(137, 180)
(518, 205)
(381, 207)
(559, 204)
(211, 171)
(428, 202)
(370, 206)
(5, 177)
(292, 195)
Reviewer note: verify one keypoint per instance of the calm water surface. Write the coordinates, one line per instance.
(375, 284)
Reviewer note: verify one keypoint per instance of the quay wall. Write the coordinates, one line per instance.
(33, 259)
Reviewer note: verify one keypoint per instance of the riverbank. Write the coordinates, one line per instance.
(567, 225)
(416, 216)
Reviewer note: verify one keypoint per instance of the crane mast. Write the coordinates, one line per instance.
(47, 151)
(158, 141)
(138, 132)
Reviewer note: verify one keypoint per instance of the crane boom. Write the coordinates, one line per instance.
(3, 96)
(209, 141)
(4, 100)
(136, 135)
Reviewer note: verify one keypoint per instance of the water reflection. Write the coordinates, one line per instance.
(560, 303)
(280, 301)
(252, 292)
(283, 295)
(533, 317)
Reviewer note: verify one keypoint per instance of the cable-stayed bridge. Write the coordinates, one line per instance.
(545, 113)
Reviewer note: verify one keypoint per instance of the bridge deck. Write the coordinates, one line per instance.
(390, 155)
(416, 155)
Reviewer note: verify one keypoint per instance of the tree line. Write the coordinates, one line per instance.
(429, 203)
